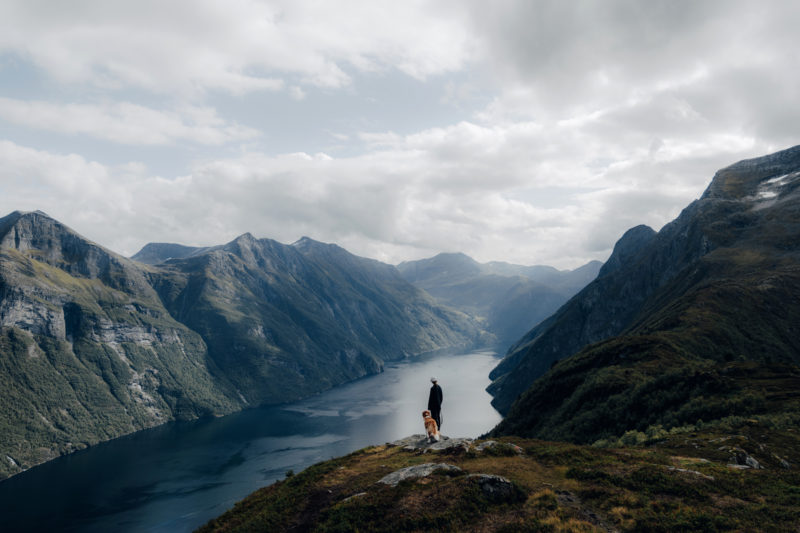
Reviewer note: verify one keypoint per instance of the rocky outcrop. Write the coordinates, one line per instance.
(417, 471)
(419, 442)
(497, 489)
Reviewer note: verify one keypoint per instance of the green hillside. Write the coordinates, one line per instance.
(284, 321)
(680, 482)
(85, 358)
(94, 346)
(698, 322)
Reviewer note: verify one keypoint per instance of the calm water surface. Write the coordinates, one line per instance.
(178, 476)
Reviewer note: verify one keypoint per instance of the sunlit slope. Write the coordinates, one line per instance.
(283, 321)
(87, 350)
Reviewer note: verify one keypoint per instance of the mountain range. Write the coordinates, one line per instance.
(95, 345)
(664, 396)
(695, 324)
(679, 363)
(506, 299)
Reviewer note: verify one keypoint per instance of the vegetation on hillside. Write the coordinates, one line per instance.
(282, 322)
(711, 355)
(64, 390)
(696, 323)
(94, 346)
(679, 482)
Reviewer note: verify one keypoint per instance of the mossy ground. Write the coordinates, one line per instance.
(680, 483)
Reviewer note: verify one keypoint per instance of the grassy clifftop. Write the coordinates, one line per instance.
(683, 481)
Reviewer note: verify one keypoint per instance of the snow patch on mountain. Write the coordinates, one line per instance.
(769, 191)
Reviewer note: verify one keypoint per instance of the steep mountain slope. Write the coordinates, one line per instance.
(283, 321)
(698, 322)
(597, 312)
(507, 299)
(87, 350)
(94, 345)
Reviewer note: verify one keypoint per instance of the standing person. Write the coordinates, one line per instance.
(435, 403)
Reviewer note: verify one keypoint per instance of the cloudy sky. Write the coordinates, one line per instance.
(534, 132)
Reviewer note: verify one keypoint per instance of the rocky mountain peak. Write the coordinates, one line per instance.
(743, 230)
(304, 242)
(37, 235)
(245, 239)
(626, 247)
(757, 179)
(36, 231)
(245, 246)
(307, 244)
(25, 230)
(332, 252)
(154, 253)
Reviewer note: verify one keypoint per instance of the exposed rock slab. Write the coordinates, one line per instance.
(420, 442)
(416, 471)
(497, 489)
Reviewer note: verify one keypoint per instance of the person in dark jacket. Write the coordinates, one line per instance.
(435, 403)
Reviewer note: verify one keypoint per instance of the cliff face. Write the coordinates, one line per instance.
(87, 350)
(694, 316)
(642, 262)
(94, 345)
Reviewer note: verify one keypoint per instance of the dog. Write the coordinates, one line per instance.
(431, 429)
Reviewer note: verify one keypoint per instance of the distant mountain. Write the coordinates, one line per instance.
(695, 324)
(94, 345)
(284, 321)
(507, 299)
(158, 252)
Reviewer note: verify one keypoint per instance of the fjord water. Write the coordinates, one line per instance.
(178, 476)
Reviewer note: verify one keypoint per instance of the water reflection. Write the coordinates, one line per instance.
(177, 476)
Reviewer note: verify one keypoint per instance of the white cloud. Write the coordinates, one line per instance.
(603, 115)
(464, 188)
(125, 122)
(235, 46)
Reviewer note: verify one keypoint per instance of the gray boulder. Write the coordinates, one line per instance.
(416, 471)
(496, 489)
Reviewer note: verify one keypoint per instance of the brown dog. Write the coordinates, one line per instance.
(431, 429)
